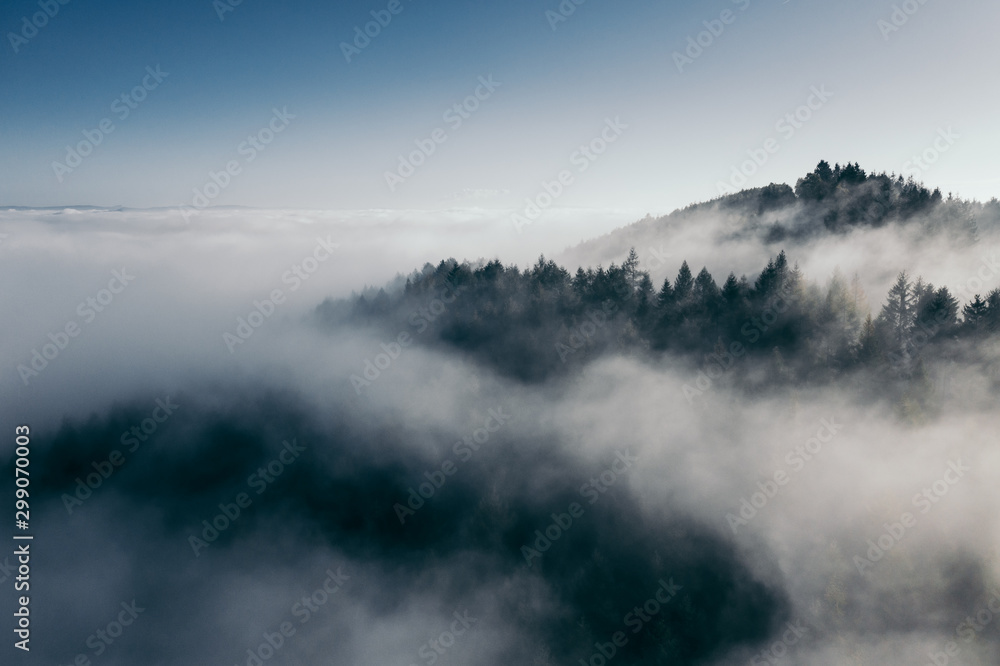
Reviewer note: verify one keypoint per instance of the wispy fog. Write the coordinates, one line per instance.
(268, 507)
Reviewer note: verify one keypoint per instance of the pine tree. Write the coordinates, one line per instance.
(841, 308)
(705, 288)
(631, 268)
(922, 295)
(684, 283)
(869, 349)
(381, 302)
(992, 318)
(731, 291)
(858, 296)
(781, 265)
(939, 311)
(645, 296)
(705, 295)
(772, 278)
(824, 172)
(898, 312)
(666, 297)
(975, 313)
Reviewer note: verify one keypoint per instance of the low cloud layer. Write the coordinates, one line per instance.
(448, 513)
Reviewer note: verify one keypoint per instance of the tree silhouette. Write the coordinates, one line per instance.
(684, 283)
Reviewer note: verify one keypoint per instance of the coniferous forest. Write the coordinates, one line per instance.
(547, 320)
(759, 429)
(463, 333)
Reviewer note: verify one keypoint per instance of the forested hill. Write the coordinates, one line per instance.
(545, 321)
(828, 201)
(841, 198)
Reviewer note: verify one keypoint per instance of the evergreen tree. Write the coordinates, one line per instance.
(974, 314)
(581, 281)
(824, 171)
(705, 288)
(898, 312)
(938, 311)
(731, 292)
(666, 297)
(772, 277)
(705, 294)
(381, 303)
(506, 312)
(843, 316)
(858, 296)
(921, 292)
(817, 185)
(684, 283)
(631, 268)
(852, 174)
(992, 317)
(645, 294)
(869, 347)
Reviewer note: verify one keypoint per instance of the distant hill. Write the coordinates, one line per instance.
(828, 201)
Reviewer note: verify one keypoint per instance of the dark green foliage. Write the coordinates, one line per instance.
(976, 314)
(666, 297)
(898, 312)
(683, 284)
(535, 323)
(941, 308)
(544, 320)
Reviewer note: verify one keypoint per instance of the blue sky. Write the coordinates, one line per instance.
(892, 94)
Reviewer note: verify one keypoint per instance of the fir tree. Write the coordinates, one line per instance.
(684, 283)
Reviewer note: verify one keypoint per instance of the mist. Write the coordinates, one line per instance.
(351, 475)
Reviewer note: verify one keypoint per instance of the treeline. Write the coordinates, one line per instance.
(839, 198)
(541, 321)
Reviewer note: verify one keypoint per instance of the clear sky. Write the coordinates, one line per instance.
(892, 94)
